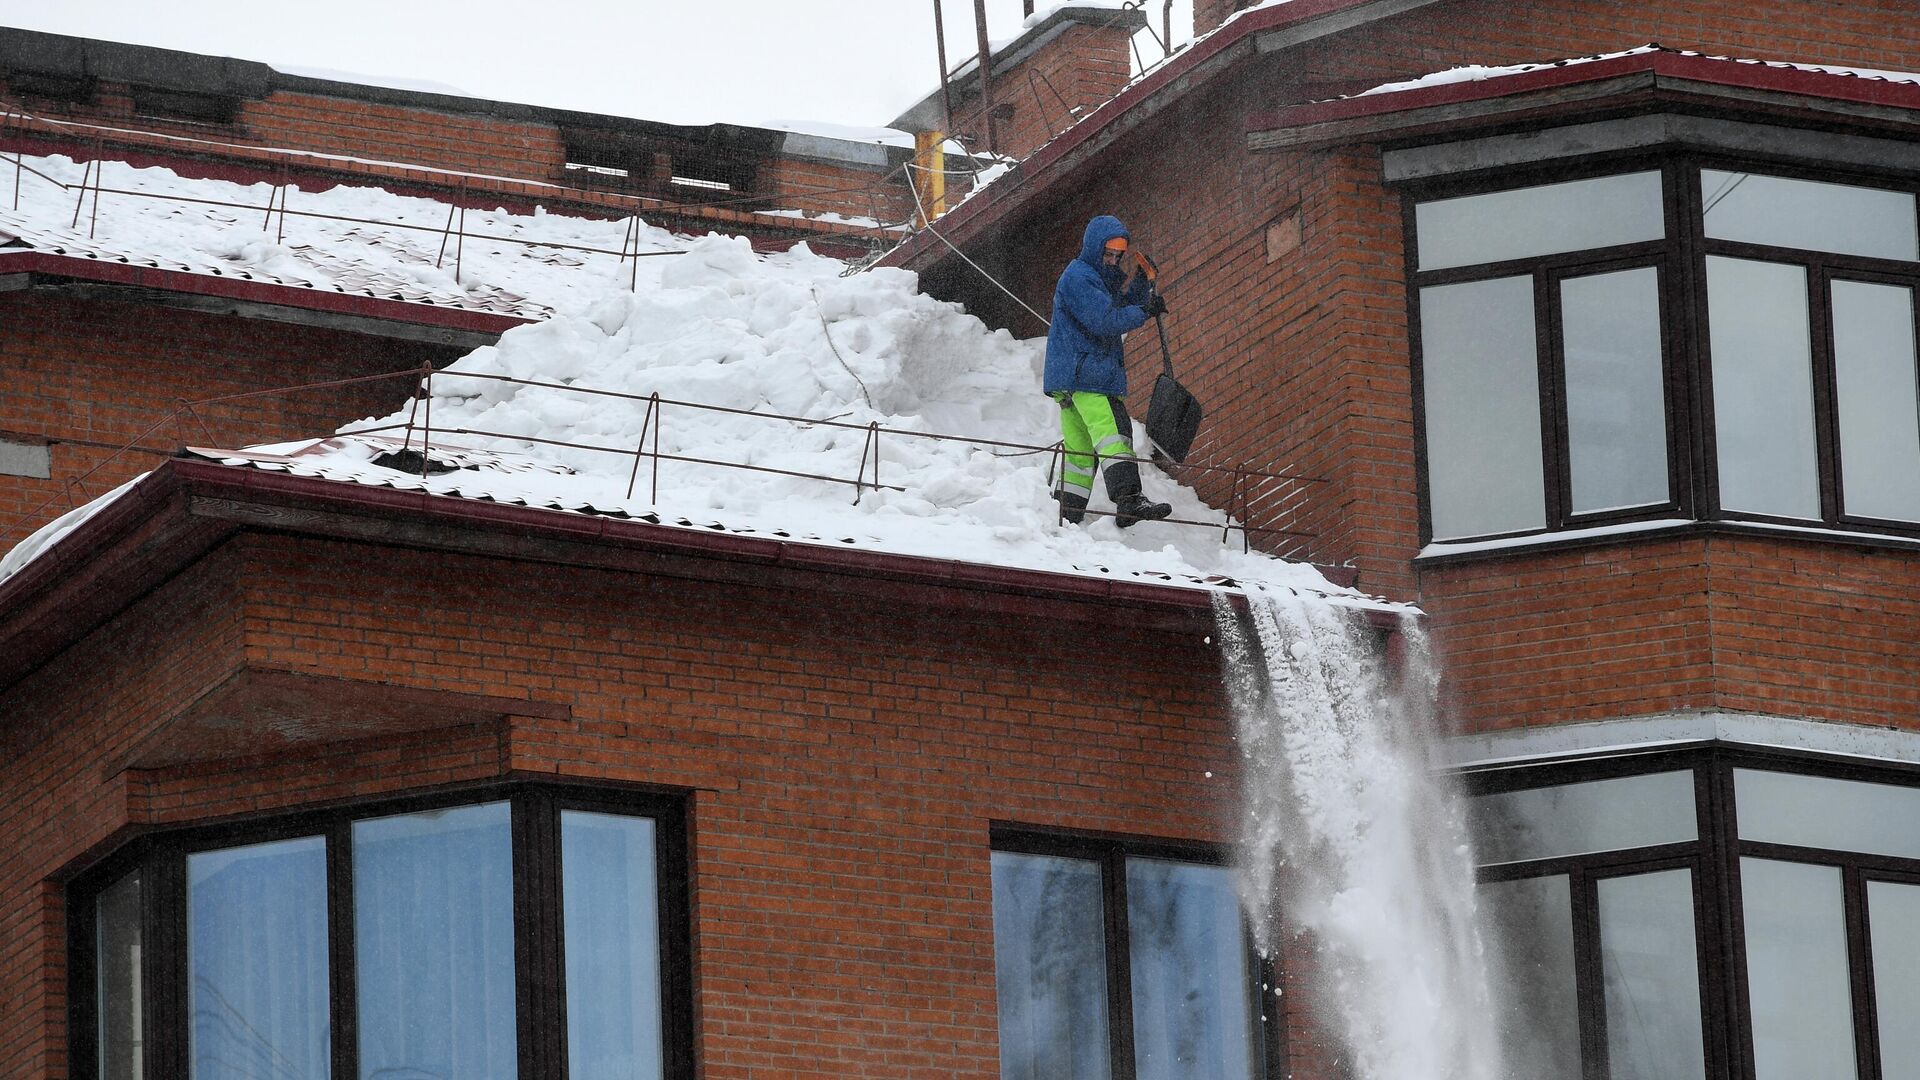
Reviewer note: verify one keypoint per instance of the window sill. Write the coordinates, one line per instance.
(1445, 552)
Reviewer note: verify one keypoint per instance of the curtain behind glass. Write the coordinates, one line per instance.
(1480, 381)
(116, 916)
(1050, 968)
(1876, 400)
(1529, 924)
(612, 919)
(433, 930)
(1616, 395)
(1191, 979)
(1893, 911)
(1651, 972)
(1761, 342)
(257, 962)
(1802, 999)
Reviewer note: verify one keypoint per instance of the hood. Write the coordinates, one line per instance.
(1099, 231)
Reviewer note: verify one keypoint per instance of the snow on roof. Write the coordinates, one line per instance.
(1480, 73)
(391, 82)
(889, 383)
(359, 240)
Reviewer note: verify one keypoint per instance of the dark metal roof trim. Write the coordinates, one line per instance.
(1370, 116)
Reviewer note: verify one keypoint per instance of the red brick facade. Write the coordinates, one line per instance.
(844, 754)
(844, 746)
(89, 377)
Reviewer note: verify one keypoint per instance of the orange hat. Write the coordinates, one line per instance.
(1118, 243)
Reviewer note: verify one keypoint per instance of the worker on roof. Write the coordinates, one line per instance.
(1096, 302)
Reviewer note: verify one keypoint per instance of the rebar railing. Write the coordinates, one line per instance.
(14, 124)
(1269, 505)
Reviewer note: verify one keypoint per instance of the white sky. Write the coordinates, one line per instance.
(850, 62)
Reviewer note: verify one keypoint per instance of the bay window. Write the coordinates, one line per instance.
(1686, 340)
(1707, 912)
(531, 932)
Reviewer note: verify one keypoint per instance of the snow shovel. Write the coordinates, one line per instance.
(1173, 416)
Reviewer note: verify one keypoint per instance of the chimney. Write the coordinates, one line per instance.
(1063, 65)
(1209, 14)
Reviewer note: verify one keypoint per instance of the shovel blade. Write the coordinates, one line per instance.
(1173, 418)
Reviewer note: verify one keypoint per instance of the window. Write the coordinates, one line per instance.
(431, 937)
(1123, 960)
(1607, 900)
(1571, 332)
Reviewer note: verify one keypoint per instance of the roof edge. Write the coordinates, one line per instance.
(1272, 129)
(171, 517)
(373, 308)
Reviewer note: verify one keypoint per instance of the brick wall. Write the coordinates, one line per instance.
(1209, 14)
(820, 187)
(1068, 77)
(466, 142)
(423, 151)
(91, 376)
(847, 754)
(1783, 627)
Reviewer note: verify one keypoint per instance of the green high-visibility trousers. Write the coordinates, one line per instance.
(1095, 426)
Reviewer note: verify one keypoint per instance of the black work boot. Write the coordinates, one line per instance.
(1137, 508)
(1129, 505)
(1073, 506)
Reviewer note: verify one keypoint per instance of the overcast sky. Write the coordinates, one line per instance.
(849, 62)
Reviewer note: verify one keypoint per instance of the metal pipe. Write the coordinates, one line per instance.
(940, 43)
(986, 78)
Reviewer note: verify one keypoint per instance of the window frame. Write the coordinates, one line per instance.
(539, 932)
(1681, 261)
(1714, 857)
(1110, 852)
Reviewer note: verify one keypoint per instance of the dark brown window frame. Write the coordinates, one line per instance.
(539, 936)
(1714, 858)
(1693, 467)
(1111, 852)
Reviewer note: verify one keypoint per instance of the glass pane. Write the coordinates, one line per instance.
(1545, 220)
(1878, 403)
(1797, 970)
(1578, 819)
(1529, 937)
(1893, 912)
(1050, 968)
(611, 902)
(1616, 401)
(116, 916)
(1192, 979)
(1762, 387)
(433, 944)
(1805, 214)
(1651, 973)
(1818, 812)
(257, 961)
(1481, 380)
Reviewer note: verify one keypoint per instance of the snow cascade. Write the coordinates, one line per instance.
(1350, 840)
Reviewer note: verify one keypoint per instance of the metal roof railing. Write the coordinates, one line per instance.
(1269, 505)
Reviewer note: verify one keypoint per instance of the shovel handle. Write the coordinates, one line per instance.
(1166, 356)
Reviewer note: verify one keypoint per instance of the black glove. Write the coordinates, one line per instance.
(1155, 305)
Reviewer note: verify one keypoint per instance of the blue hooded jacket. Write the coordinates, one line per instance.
(1090, 313)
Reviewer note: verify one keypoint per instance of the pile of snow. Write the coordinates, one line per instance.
(788, 336)
(709, 323)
